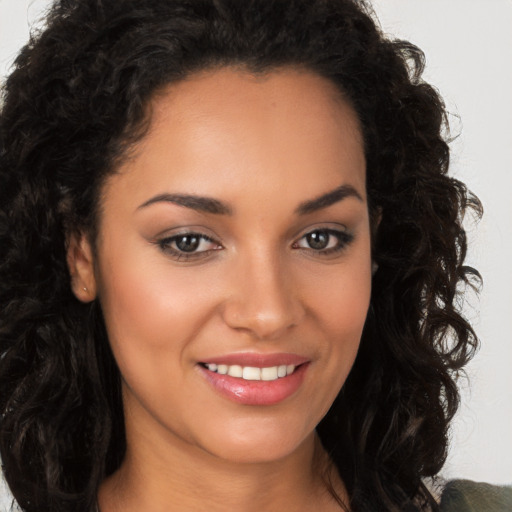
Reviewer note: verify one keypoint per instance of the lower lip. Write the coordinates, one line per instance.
(256, 392)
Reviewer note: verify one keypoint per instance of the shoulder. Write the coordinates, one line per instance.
(469, 496)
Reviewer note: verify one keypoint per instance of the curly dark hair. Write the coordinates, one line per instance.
(71, 109)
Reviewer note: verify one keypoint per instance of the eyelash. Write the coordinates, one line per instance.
(343, 239)
(165, 245)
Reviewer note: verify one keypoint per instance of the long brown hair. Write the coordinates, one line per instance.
(75, 102)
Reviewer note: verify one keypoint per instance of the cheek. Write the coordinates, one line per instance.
(339, 301)
(149, 308)
(153, 314)
(340, 297)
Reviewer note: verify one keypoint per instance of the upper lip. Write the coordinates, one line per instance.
(257, 360)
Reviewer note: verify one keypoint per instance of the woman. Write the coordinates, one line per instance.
(230, 261)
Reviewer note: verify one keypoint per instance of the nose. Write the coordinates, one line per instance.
(263, 299)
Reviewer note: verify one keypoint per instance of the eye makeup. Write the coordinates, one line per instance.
(193, 245)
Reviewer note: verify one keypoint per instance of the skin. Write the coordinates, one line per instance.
(261, 145)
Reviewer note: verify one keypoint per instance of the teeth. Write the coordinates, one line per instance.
(235, 371)
(251, 372)
(271, 373)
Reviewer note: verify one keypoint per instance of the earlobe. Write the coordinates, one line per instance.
(80, 259)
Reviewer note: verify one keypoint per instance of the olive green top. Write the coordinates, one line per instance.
(468, 496)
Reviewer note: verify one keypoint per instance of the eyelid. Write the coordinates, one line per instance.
(343, 235)
(185, 229)
(166, 240)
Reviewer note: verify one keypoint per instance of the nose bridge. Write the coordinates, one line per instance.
(262, 299)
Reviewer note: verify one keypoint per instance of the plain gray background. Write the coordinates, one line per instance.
(468, 45)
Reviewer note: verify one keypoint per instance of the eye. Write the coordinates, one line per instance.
(324, 241)
(185, 246)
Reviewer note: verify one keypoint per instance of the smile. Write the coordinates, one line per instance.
(251, 372)
(259, 380)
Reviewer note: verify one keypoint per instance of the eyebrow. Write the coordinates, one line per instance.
(328, 199)
(199, 203)
(211, 205)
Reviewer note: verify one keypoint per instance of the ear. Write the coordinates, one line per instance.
(375, 220)
(80, 259)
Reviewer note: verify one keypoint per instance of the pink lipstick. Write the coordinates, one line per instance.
(255, 379)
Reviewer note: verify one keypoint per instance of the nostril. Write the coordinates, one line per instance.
(261, 301)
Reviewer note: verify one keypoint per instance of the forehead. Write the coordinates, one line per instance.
(230, 126)
(278, 90)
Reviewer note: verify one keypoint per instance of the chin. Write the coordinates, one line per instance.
(261, 442)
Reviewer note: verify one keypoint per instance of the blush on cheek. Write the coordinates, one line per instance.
(344, 307)
(345, 301)
(155, 306)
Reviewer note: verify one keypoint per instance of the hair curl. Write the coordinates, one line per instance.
(75, 102)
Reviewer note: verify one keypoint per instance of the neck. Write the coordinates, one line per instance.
(186, 478)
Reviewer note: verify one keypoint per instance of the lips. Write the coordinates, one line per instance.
(255, 379)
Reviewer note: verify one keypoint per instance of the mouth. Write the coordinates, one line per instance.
(255, 380)
(252, 373)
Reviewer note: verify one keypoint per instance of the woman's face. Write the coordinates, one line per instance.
(236, 239)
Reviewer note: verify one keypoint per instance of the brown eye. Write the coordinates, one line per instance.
(324, 241)
(318, 240)
(187, 243)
